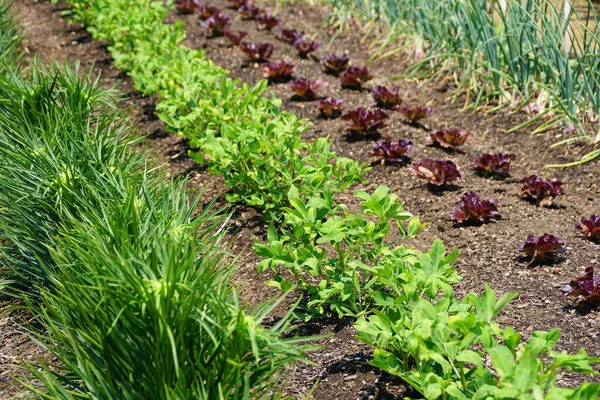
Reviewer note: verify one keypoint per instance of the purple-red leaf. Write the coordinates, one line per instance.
(542, 249)
(335, 64)
(330, 107)
(364, 122)
(586, 288)
(248, 11)
(205, 12)
(392, 153)
(289, 35)
(216, 23)
(449, 138)
(540, 191)
(387, 98)
(278, 71)
(355, 77)
(416, 113)
(472, 209)
(186, 6)
(590, 227)
(495, 164)
(266, 21)
(258, 52)
(235, 38)
(236, 4)
(306, 89)
(437, 172)
(304, 48)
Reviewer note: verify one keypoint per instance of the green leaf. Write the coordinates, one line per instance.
(502, 360)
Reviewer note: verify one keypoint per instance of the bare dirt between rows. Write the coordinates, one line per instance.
(489, 252)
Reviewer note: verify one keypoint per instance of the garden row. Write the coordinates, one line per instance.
(442, 346)
(126, 286)
(537, 56)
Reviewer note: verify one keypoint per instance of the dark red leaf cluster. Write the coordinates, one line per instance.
(448, 138)
(494, 164)
(278, 71)
(205, 12)
(289, 35)
(542, 249)
(355, 77)
(540, 191)
(590, 227)
(306, 89)
(236, 4)
(186, 6)
(330, 107)
(248, 11)
(304, 48)
(364, 122)
(416, 113)
(266, 21)
(335, 64)
(437, 172)
(472, 209)
(387, 98)
(258, 52)
(586, 288)
(235, 38)
(216, 23)
(392, 153)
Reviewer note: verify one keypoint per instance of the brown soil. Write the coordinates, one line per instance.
(489, 252)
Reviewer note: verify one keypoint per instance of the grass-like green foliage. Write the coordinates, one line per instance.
(524, 55)
(236, 130)
(10, 37)
(126, 280)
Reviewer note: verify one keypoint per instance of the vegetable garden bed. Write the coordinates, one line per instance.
(489, 251)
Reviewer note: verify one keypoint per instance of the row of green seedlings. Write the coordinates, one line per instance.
(527, 55)
(316, 223)
(123, 273)
(364, 123)
(335, 289)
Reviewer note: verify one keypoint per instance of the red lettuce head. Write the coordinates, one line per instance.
(335, 64)
(414, 114)
(216, 23)
(304, 48)
(266, 21)
(236, 4)
(362, 121)
(186, 6)
(495, 164)
(472, 209)
(278, 71)
(540, 191)
(392, 153)
(586, 288)
(330, 107)
(289, 35)
(306, 89)
(235, 38)
(542, 249)
(437, 172)
(449, 138)
(387, 98)
(205, 12)
(590, 227)
(355, 77)
(248, 11)
(258, 52)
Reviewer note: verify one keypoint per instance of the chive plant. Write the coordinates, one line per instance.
(124, 273)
